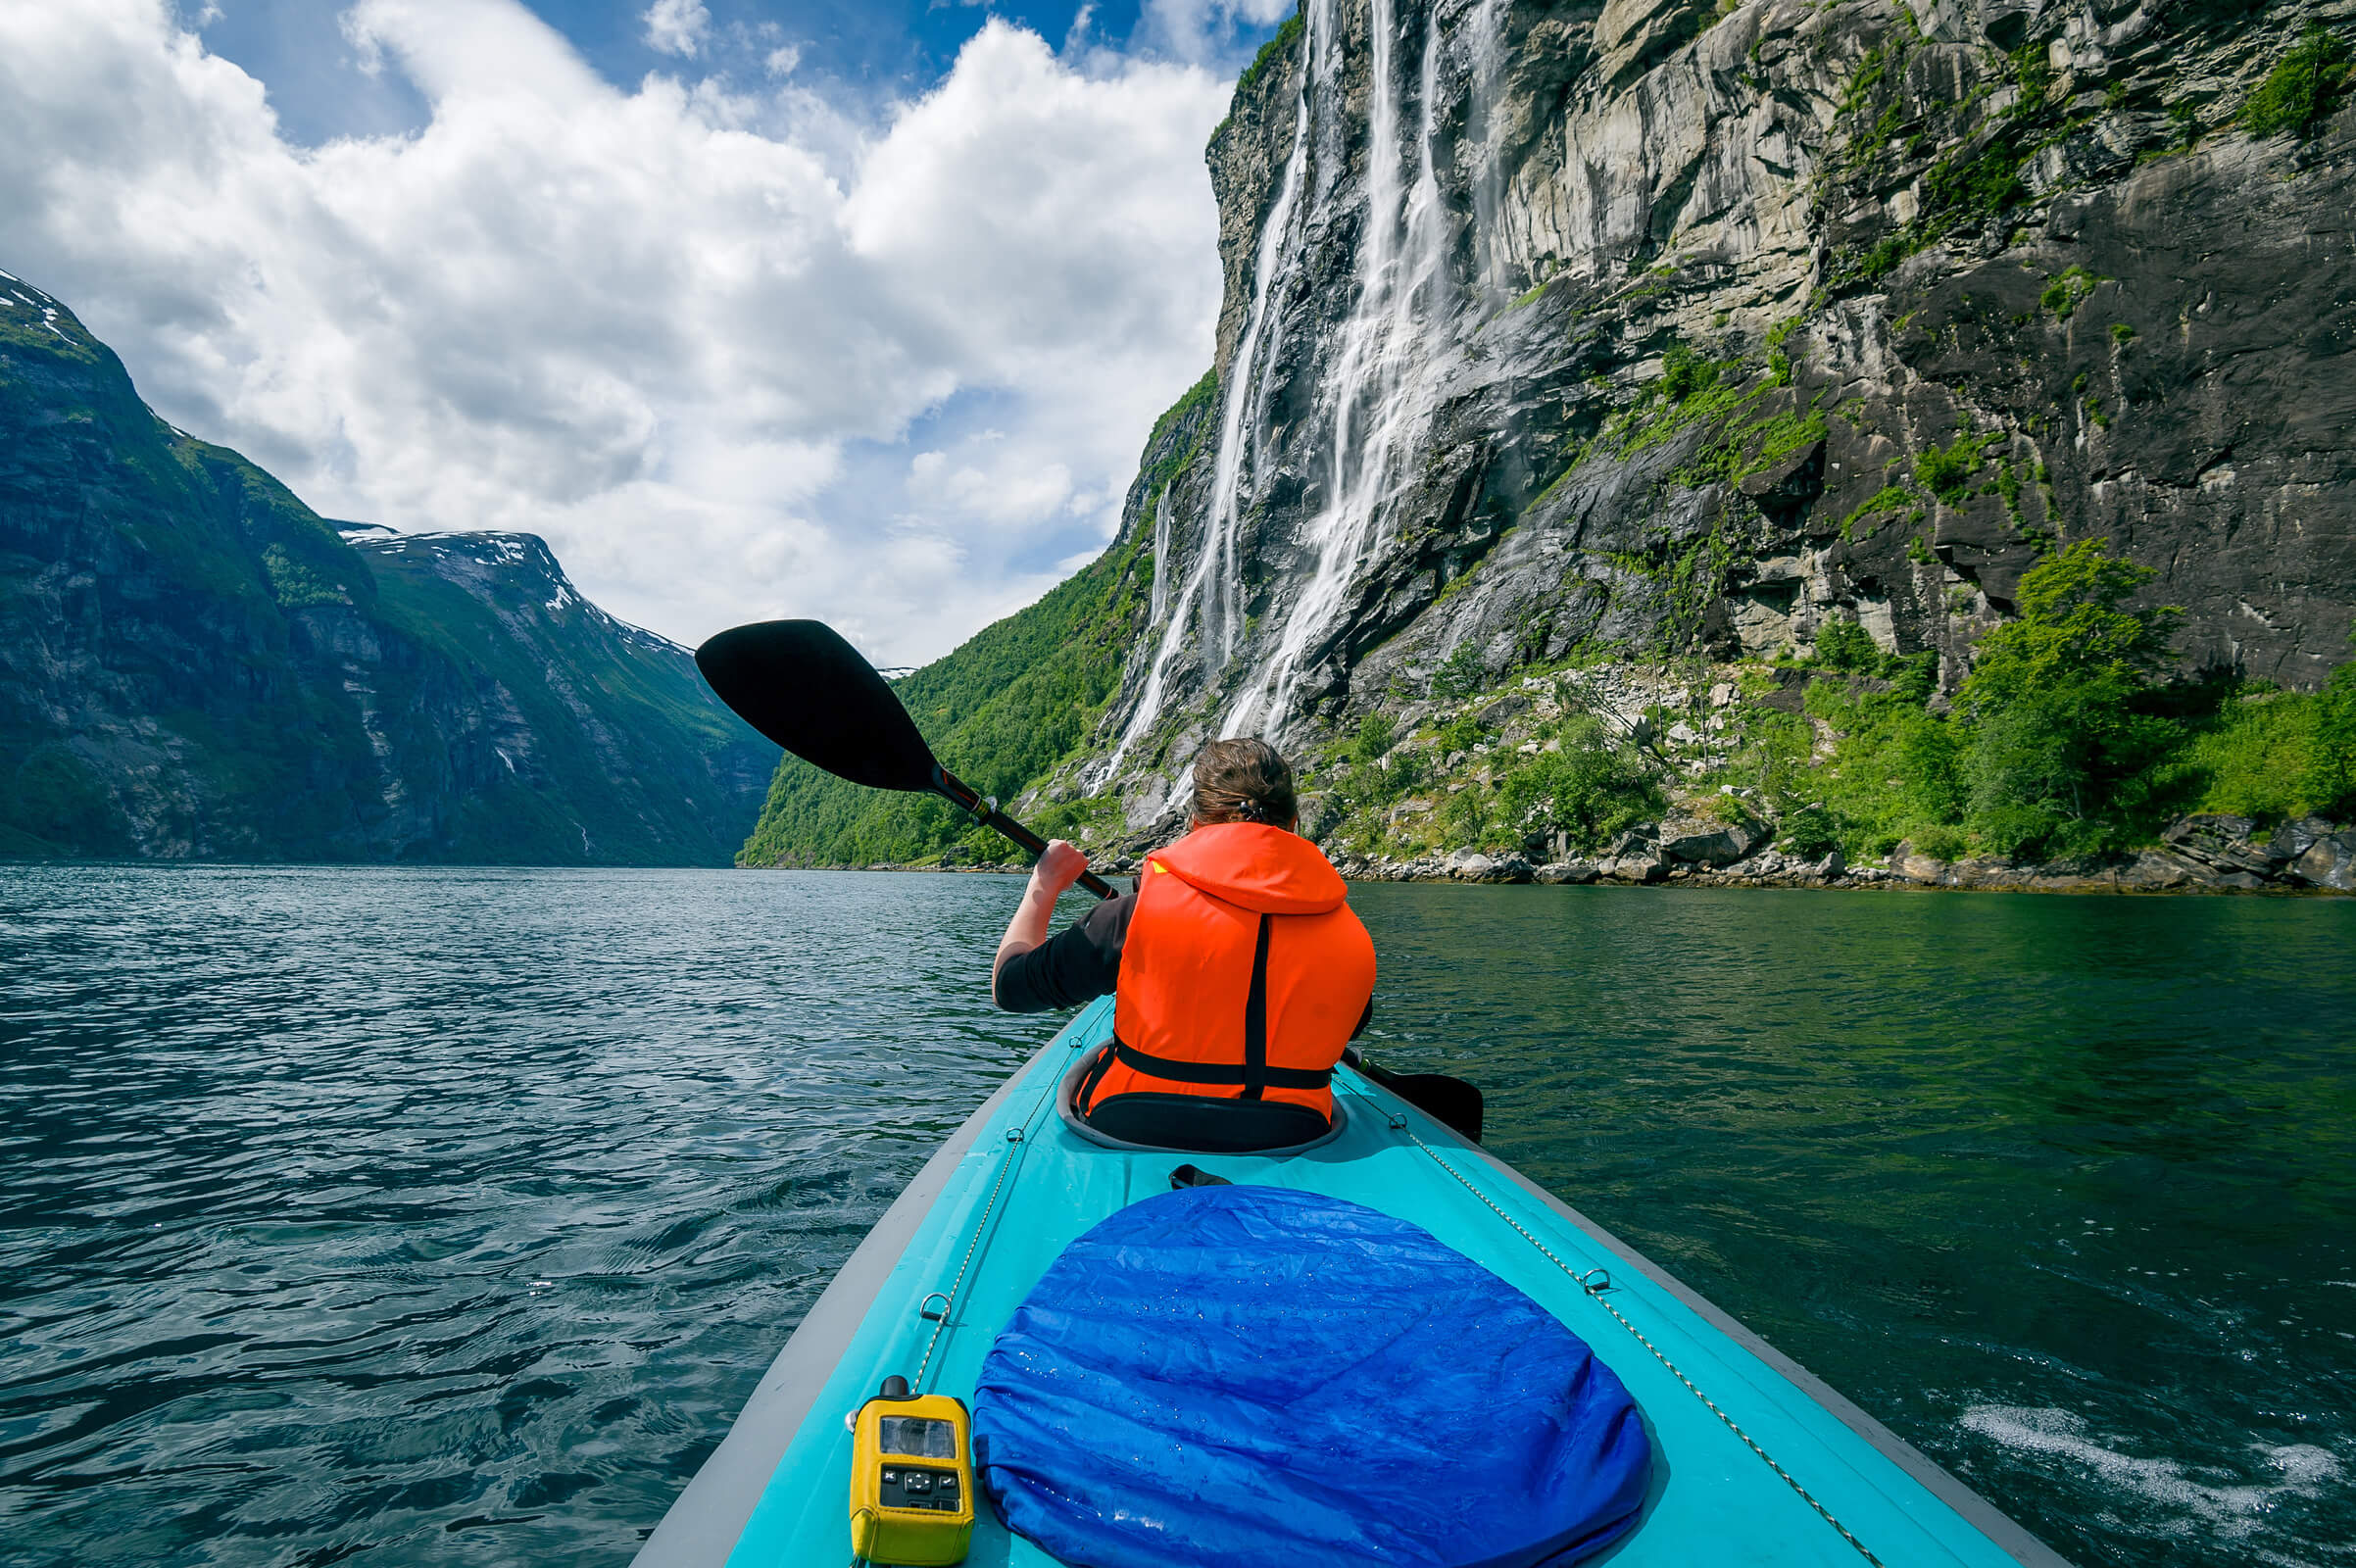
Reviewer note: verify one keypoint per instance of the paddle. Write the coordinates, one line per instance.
(1452, 1101)
(800, 684)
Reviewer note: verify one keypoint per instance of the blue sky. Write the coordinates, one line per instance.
(865, 54)
(750, 309)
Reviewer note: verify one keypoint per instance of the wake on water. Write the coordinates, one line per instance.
(2205, 1499)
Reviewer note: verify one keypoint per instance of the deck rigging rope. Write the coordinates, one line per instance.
(1018, 1139)
(1591, 1284)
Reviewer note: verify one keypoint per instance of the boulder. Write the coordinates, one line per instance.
(2225, 843)
(2152, 872)
(1470, 865)
(1642, 839)
(2324, 860)
(1567, 871)
(1646, 869)
(1915, 866)
(1693, 841)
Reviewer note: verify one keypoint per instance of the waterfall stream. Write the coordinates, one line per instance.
(1375, 393)
(1161, 603)
(1214, 587)
(1395, 352)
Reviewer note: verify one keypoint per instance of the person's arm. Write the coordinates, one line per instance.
(1057, 870)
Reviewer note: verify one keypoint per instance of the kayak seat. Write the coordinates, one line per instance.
(1203, 1125)
(1193, 1124)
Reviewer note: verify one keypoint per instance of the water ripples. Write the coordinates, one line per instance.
(439, 1215)
(403, 1216)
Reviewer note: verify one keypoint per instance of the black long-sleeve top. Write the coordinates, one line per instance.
(1077, 964)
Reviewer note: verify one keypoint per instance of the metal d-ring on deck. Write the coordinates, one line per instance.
(1591, 1284)
(1017, 1141)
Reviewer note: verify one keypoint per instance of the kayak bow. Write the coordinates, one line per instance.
(1757, 1462)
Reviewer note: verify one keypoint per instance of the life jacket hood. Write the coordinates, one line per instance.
(1268, 870)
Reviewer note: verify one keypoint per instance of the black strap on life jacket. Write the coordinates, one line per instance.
(1256, 1019)
(1217, 1072)
(1254, 1074)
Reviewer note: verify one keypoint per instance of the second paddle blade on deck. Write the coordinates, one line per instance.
(800, 684)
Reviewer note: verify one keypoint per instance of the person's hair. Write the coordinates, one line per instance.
(1244, 781)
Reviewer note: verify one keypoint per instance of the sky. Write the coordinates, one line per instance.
(774, 308)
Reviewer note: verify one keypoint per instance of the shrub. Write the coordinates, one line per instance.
(2303, 88)
(1808, 832)
(1463, 672)
(1376, 734)
(1684, 372)
(1943, 843)
(1843, 644)
(2065, 293)
(1946, 471)
(1595, 788)
(2259, 759)
(1894, 771)
(2331, 765)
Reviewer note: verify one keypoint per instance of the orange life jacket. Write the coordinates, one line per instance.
(1243, 975)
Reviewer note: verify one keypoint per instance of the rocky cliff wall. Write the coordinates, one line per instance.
(1658, 330)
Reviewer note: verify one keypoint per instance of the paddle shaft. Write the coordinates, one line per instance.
(967, 798)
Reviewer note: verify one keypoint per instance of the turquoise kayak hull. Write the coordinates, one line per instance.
(1756, 1461)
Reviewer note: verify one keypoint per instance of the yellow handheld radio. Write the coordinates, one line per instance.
(911, 1486)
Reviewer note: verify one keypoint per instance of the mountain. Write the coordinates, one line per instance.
(1669, 405)
(193, 665)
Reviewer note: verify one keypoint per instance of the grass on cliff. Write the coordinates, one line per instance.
(2303, 89)
(1293, 26)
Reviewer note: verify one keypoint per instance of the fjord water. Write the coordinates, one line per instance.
(405, 1216)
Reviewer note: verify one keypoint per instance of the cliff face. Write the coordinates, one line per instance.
(1666, 328)
(194, 664)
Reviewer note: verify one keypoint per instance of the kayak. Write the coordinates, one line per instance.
(1756, 1461)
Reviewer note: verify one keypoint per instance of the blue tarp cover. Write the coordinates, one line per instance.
(1254, 1375)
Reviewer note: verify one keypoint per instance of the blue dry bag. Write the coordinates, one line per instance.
(1249, 1376)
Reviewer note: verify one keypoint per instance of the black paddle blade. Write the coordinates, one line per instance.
(800, 684)
(1448, 1100)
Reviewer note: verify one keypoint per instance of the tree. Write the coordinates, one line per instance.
(2064, 752)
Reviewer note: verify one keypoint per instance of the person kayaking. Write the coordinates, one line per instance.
(1240, 971)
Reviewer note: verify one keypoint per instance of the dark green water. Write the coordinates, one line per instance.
(403, 1216)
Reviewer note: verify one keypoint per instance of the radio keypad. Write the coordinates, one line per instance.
(909, 1487)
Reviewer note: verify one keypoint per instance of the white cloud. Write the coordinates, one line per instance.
(676, 27)
(692, 333)
(1208, 29)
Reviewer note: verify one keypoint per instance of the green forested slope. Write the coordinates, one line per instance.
(194, 664)
(1001, 712)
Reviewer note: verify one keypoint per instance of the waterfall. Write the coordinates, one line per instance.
(1220, 601)
(1161, 604)
(1393, 352)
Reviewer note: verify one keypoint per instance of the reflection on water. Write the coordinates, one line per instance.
(432, 1216)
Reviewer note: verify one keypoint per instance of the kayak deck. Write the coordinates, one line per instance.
(1017, 1185)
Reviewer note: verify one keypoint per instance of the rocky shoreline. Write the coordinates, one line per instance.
(2207, 854)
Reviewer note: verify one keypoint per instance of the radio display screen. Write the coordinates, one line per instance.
(916, 1438)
